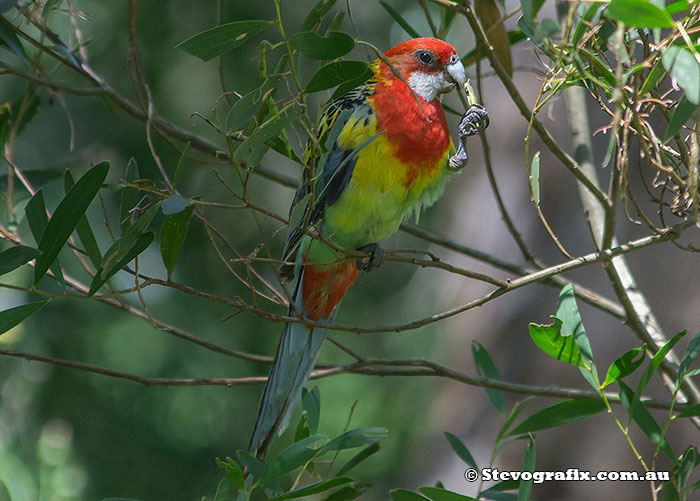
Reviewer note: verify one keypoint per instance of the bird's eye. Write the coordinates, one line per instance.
(425, 57)
(453, 59)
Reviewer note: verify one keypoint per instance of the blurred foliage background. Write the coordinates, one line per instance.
(67, 434)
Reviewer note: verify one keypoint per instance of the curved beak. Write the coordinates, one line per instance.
(455, 76)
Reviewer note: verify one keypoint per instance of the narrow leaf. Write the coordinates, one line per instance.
(85, 234)
(172, 237)
(644, 419)
(142, 243)
(315, 488)
(683, 112)
(14, 316)
(358, 458)
(293, 457)
(569, 411)
(67, 216)
(440, 494)
(35, 212)
(528, 465)
(550, 340)
(315, 17)
(332, 46)
(400, 20)
(220, 39)
(490, 16)
(311, 405)
(690, 354)
(123, 245)
(356, 438)
(486, 367)
(404, 495)
(639, 14)
(684, 69)
(625, 365)
(16, 256)
(337, 73)
(460, 449)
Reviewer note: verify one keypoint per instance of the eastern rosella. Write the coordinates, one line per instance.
(388, 155)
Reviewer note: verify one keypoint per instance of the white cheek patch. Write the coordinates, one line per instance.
(427, 85)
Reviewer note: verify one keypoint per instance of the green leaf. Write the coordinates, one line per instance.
(35, 212)
(569, 411)
(440, 494)
(404, 495)
(243, 110)
(690, 354)
(215, 41)
(234, 474)
(222, 490)
(141, 244)
(350, 491)
(652, 367)
(332, 46)
(14, 316)
(293, 457)
(535, 177)
(255, 466)
(311, 405)
(85, 234)
(9, 39)
(315, 488)
(356, 438)
(625, 365)
(255, 146)
(172, 237)
(644, 419)
(639, 14)
(460, 449)
(316, 15)
(123, 245)
(683, 112)
(16, 256)
(511, 417)
(567, 312)
(335, 74)
(692, 412)
(679, 6)
(656, 74)
(486, 367)
(550, 340)
(174, 204)
(684, 69)
(358, 458)
(353, 84)
(400, 20)
(67, 216)
(528, 465)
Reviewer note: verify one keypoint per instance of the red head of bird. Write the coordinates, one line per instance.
(430, 66)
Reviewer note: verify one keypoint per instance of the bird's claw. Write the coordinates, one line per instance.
(375, 258)
(474, 120)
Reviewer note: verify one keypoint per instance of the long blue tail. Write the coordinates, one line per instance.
(295, 359)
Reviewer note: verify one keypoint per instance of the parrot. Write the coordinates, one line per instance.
(388, 155)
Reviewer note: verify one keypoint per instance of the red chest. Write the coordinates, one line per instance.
(420, 135)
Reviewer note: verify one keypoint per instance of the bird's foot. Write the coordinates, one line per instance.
(375, 258)
(474, 120)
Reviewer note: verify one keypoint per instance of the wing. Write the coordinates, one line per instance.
(327, 173)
